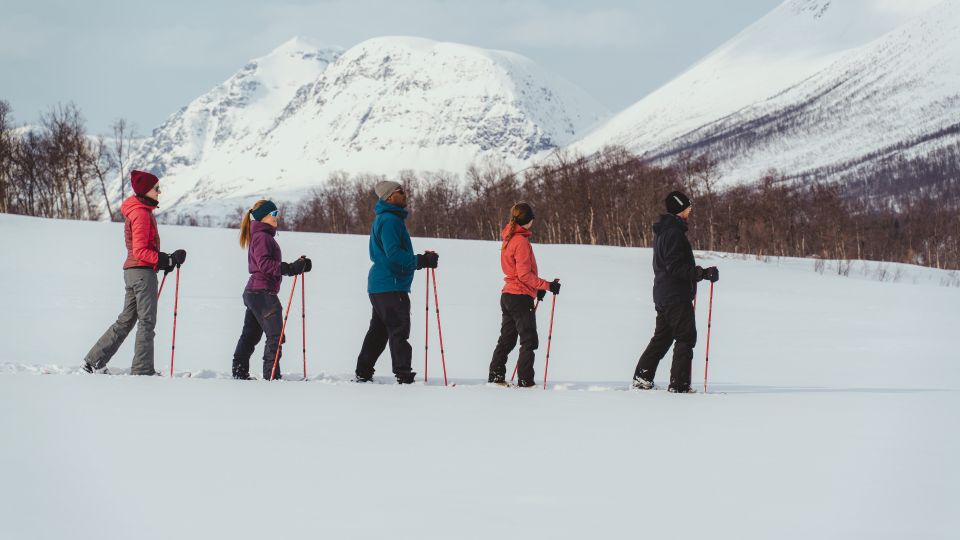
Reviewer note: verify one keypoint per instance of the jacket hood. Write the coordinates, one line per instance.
(521, 231)
(669, 221)
(132, 203)
(259, 226)
(383, 207)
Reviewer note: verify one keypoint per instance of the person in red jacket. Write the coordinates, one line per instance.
(144, 260)
(521, 286)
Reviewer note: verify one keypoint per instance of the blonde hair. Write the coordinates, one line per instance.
(245, 224)
(518, 211)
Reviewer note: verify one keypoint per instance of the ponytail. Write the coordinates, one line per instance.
(520, 214)
(513, 229)
(245, 225)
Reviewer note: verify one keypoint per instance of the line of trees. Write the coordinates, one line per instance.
(896, 209)
(613, 199)
(55, 169)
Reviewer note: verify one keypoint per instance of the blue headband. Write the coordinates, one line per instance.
(262, 211)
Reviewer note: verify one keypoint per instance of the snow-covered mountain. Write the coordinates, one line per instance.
(289, 119)
(815, 84)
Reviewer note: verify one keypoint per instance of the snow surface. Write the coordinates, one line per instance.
(831, 411)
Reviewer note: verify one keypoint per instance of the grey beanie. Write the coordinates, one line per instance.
(385, 188)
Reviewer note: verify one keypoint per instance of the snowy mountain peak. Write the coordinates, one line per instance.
(289, 119)
(741, 89)
(814, 8)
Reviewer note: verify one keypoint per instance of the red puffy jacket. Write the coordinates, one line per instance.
(519, 265)
(140, 233)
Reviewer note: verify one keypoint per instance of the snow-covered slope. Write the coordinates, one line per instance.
(814, 84)
(229, 119)
(830, 412)
(288, 120)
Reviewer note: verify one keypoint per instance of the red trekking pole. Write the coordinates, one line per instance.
(176, 301)
(276, 357)
(436, 299)
(164, 280)
(426, 329)
(706, 363)
(303, 315)
(546, 366)
(517, 365)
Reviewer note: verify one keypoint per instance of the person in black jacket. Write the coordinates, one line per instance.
(674, 287)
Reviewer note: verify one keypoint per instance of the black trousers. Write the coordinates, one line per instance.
(675, 326)
(264, 316)
(519, 320)
(389, 323)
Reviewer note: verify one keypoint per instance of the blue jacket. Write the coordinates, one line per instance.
(391, 251)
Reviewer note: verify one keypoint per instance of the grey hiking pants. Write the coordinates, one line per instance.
(139, 305)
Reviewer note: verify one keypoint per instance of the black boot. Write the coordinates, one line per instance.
(406, 378)
(525, 383)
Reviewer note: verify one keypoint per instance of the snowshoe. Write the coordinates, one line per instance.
(639, 383)
(496, 378)
(406, 378)
(681, 390)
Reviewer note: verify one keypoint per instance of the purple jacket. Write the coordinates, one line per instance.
(263, 258)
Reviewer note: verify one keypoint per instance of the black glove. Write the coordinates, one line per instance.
(697, 274)
(295, 268)
(428, 259)
(541, 295)
(555, 286)
(309, 264)
(164, 263)
(178, 257)
(711, 274)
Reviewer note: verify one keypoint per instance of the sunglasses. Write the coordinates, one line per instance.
(275, 213)
(157, 189)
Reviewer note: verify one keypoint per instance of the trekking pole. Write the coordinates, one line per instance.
(546, 366)
(706, 363)
(176, 301)
(426, 329)
(164, 280)
(276, 357)
(436, 299)
(303, 315)
(517, 365)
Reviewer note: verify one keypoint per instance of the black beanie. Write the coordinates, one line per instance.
(526, 214)
(677, 202)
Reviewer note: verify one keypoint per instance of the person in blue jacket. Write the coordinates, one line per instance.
(388, 285)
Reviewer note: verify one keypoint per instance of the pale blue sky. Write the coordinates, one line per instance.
(145, 60)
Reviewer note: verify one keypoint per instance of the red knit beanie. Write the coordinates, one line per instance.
(142, 182)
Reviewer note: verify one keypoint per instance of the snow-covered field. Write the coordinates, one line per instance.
(831, 412)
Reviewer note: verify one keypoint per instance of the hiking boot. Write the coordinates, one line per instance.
(681, 390)
(639, 383)
(525, 384)
(406, 378)
(497, 378)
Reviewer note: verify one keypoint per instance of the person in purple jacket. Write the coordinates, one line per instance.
(264, 313)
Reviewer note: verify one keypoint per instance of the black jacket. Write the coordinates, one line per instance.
(674, 269)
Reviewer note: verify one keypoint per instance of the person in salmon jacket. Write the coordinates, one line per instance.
(144, 260)
(521, 286)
